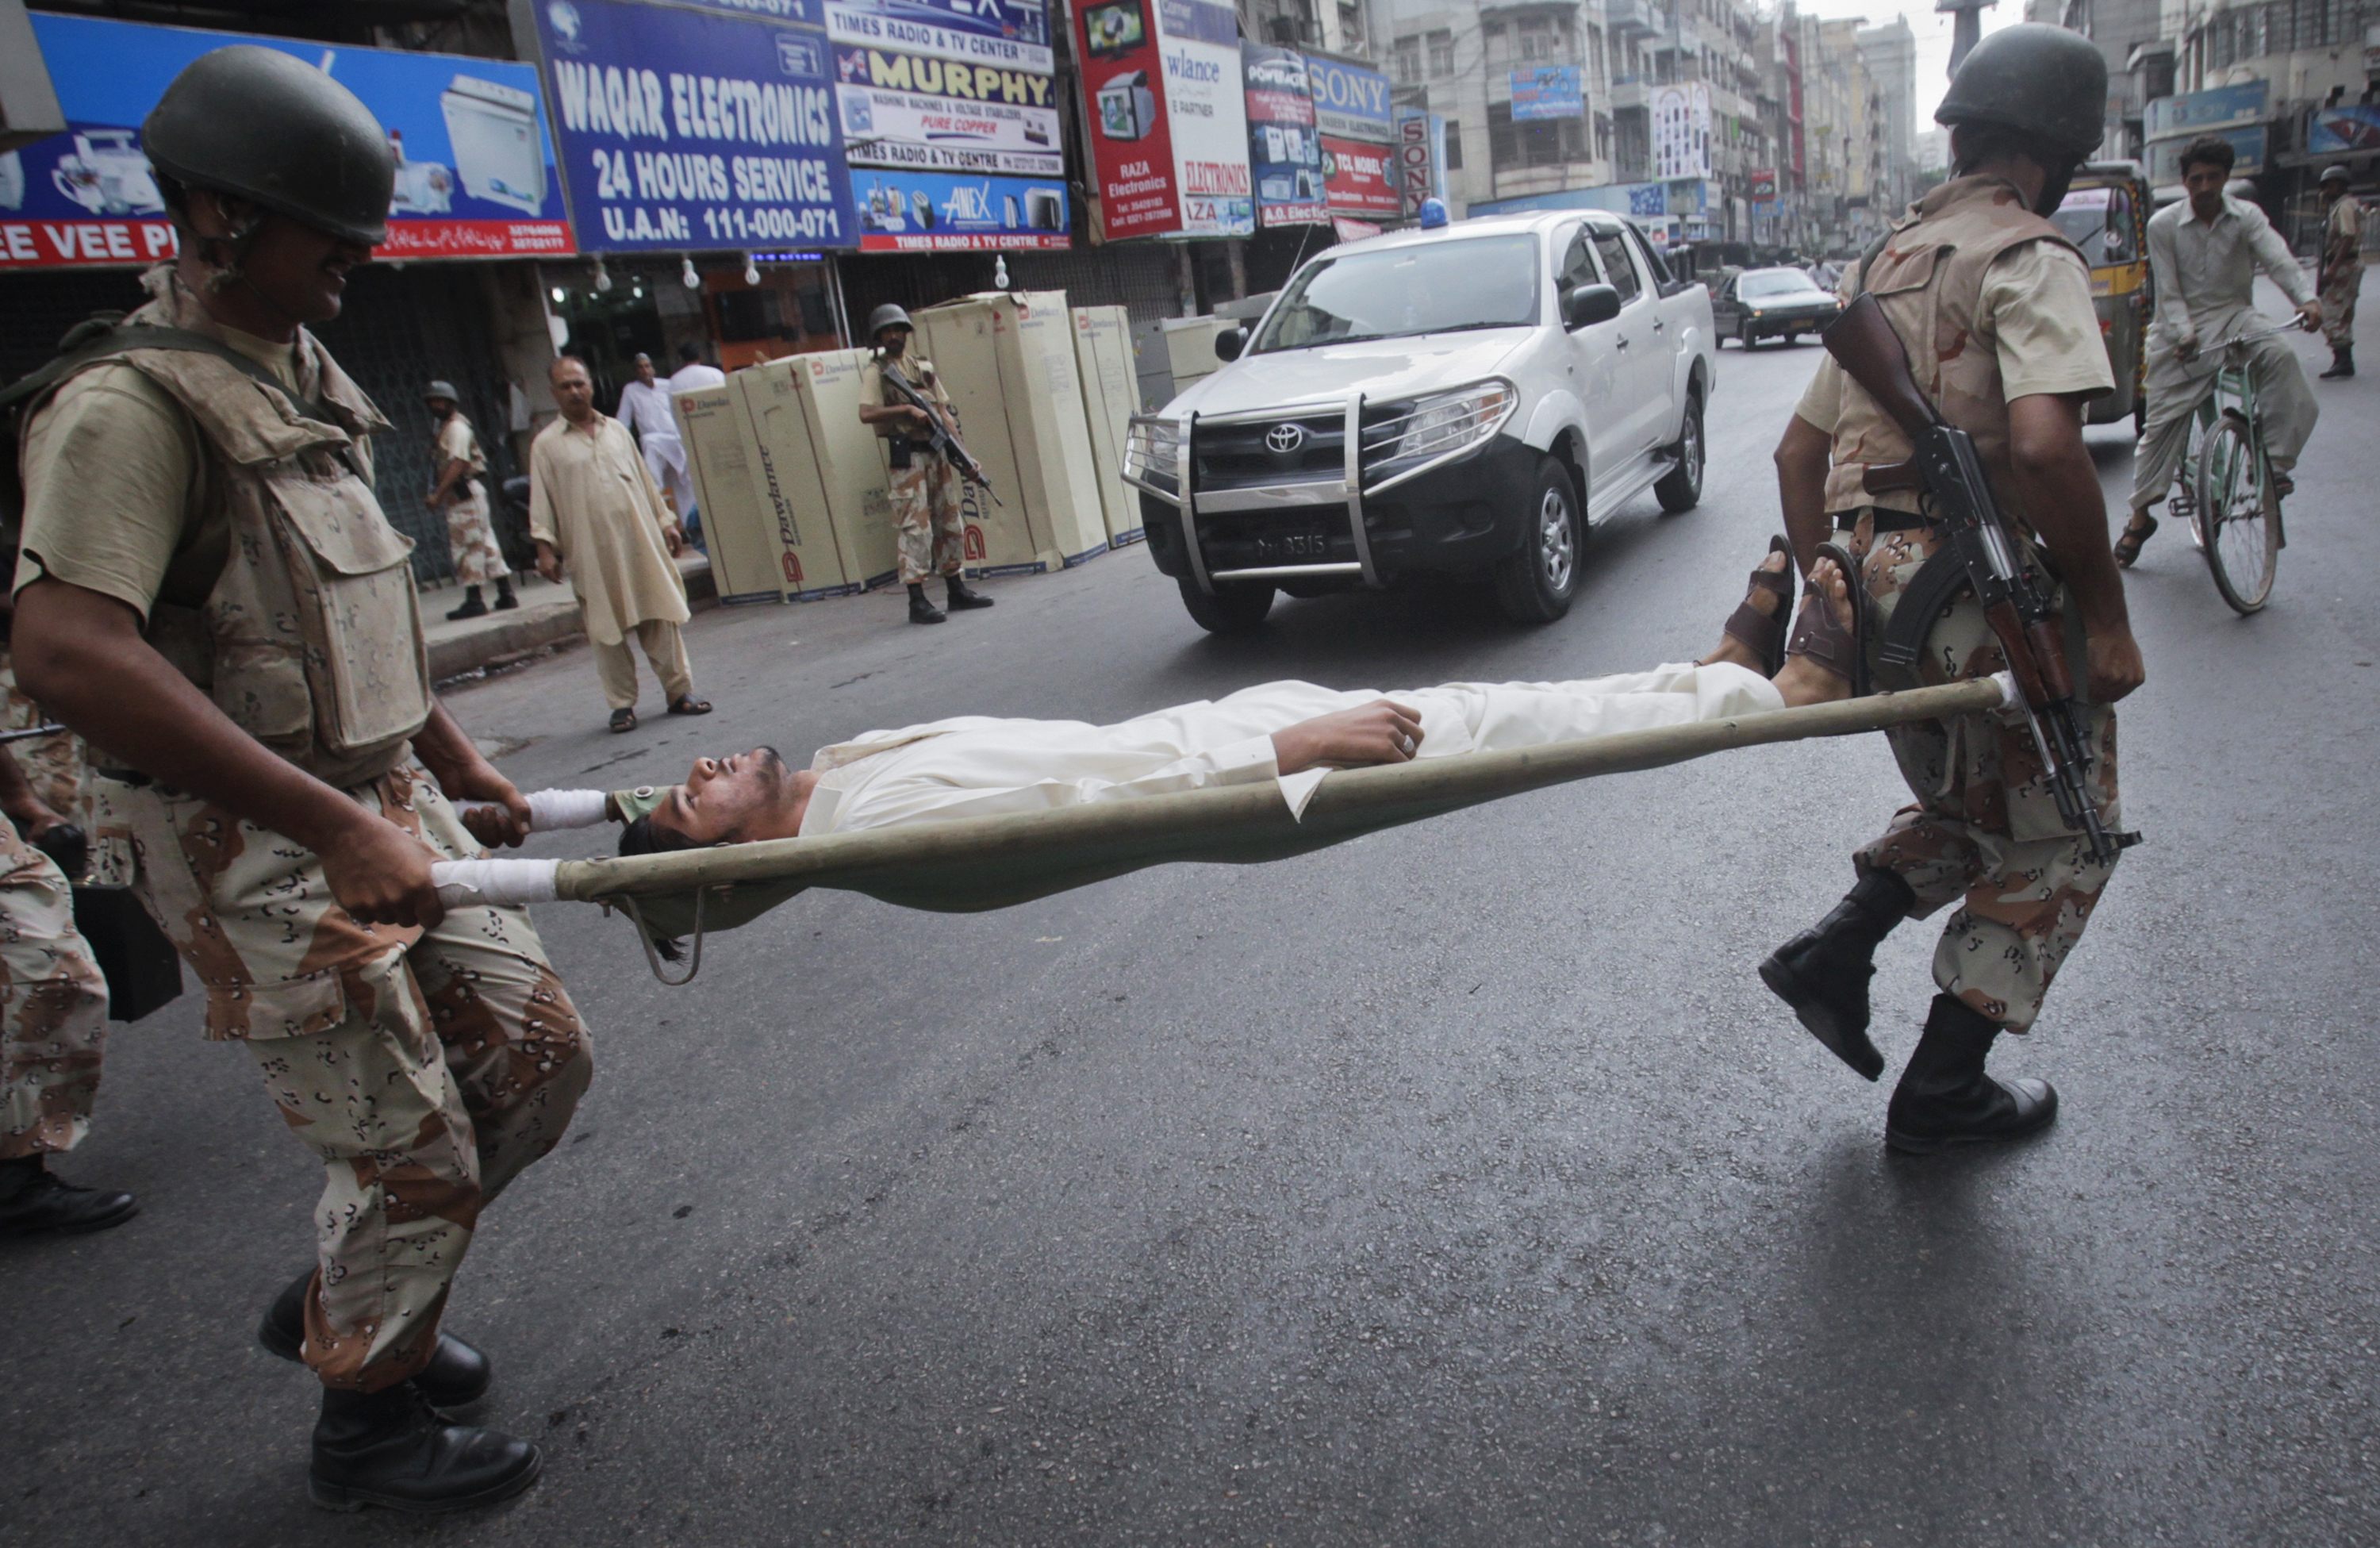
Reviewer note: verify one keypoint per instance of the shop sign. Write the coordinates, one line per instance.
(1681, 131)
(1167, 110)
(1761, 184)
(2195, 113)
(1350, 101)
(930, 211)
(2336, 132)
(1357, 178)
(693, 126)
(474, 176)
(1284, 149)
(1025, 21)
(887, 28)
(1421, 158)
(948, 134)
(2247, 150)
(1548, 91)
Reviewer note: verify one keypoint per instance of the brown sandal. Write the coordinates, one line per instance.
(623, 720)
(2128, 547)
(1763, 633)
(1841, 651)
(689, 705)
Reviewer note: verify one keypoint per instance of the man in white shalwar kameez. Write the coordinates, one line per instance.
(2205, 252)
(645, 409)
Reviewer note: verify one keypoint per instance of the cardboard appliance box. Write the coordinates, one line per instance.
(852, 465)
(1103, 351)
(739, 536)
(787, 480)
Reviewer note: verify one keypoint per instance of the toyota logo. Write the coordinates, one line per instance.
(1284, 439)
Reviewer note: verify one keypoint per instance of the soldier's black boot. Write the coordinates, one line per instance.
(1946, 1098)
(504, 597)
(2342, 363)
(457, 1376)
(32, 1201)
(393, 1450)
(1822, 972)
(962, 598)
(472, 606)
(920, 610)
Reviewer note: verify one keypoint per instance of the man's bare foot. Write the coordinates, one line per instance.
(1804, 679)
(1761, 599)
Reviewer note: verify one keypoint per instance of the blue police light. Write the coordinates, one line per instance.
(1433, 213)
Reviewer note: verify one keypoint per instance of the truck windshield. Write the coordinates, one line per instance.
(1431, 287)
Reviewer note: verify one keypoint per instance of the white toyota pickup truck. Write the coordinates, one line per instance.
(1466, 399)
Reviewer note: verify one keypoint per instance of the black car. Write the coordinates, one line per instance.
(1770, 303)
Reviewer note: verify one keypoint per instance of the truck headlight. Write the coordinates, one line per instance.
(1443, 425)
(1152, 454)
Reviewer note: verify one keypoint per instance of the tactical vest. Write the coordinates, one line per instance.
(1929, 278)
(310, 637)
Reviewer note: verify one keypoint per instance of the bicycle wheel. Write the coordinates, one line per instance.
(2240, 515)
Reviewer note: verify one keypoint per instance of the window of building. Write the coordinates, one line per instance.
(1454, 145)
(1442, 54)
(1350, 23)
(1408, 61)
(1535, 142)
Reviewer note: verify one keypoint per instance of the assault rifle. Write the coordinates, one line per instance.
(2014, 595)
(938, 436)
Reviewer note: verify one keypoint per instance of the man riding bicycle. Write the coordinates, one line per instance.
(2204, 254)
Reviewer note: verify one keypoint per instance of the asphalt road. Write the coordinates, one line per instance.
(1461, 1185)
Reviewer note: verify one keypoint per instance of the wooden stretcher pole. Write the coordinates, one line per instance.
(1252, 817)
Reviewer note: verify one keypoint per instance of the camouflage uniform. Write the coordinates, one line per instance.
(425, 1068)
(1959, 283)
(931, 529)
(53, 1007)
(55, 766)
(2342, 267)
(470, 532)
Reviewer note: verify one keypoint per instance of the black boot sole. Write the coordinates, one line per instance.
(1845, 1042)
(1903, 1141)
(344, 1498)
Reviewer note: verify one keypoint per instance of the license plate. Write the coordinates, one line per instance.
(1298, 547)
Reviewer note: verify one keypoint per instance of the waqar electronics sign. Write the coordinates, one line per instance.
(690, 126)
(473, 165)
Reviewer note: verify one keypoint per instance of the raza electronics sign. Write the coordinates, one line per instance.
(1168, 118)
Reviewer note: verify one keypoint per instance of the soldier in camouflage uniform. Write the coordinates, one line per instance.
(2341, 270)
(1995, 310)
(210, 592)
(459, 493)
(925, 488)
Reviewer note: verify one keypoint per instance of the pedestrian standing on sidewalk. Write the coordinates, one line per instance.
(645, 409)
(925, 490)
(593, 505)
(209, 591)
(470, 532)
(2342, 270)
(692, 373)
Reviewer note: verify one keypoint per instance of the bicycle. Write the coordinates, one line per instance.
(2229, 498)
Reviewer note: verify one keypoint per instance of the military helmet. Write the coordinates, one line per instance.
(2335, 175)
(2044, 80)
(888, 316)
(259, 124)
(441, 389)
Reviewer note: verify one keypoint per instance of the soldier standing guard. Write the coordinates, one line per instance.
(209, 594)
(454, 452)
(925, 490)
(2341, 270)
(1993, 307)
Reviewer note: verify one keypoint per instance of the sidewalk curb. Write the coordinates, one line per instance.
(502, 636)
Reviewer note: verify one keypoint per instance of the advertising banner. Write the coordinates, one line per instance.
(1358, 178)
(2246, 148)
(1761, 184)
(1284, 150)
(691, 126)
(887, 28)
(1350, 100)
(1421, 158)
(1169, 124)
(1548, 91)
(931, 211)
(1682, 124)
(947, 134)
(2332, 131)
(2196, 112)
(475, 170)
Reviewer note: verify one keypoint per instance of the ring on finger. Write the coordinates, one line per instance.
(1405, 744)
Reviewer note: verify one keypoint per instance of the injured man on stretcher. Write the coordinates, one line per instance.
(1290, 733)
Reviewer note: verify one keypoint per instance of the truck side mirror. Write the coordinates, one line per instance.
(1590, 304)
(1229, 343)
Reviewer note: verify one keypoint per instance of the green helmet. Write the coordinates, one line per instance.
(2336, 175)
(2043, 81)
(259, 124)
(888, 316)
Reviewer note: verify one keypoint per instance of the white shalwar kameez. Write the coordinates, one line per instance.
(977, 766)
(645, 408)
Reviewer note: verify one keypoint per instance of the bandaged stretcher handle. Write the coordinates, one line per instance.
(2015, 597)
(510, 882)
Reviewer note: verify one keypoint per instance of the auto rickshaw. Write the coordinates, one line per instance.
(2107, 215)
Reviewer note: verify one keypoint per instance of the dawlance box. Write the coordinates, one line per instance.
(1103, 359)
(1008, 362)
(786, 484)
(850, 464)
(737, 534)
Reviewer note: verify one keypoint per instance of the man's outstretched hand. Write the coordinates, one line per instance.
(1380, 732)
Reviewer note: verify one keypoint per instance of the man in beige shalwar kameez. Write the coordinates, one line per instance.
(592, 504)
